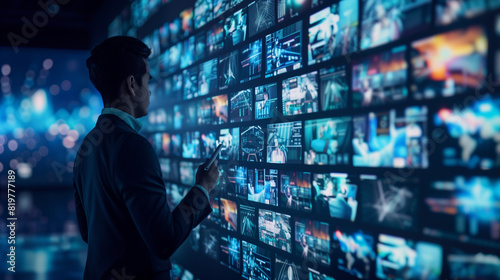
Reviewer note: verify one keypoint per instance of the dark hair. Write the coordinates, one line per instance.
(113, 60)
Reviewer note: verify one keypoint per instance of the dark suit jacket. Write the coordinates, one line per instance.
(122, 207)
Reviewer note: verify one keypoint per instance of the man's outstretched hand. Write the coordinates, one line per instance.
(207, 179)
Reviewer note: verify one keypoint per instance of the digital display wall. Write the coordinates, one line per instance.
(361, 138)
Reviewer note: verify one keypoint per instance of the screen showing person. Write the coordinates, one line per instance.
(473, 264)
(465, 209)
(461, 70)
(380, 79)
(300, 94)
(256, 262)
(203, 12)
(251, 61)
(387, 21)
(230, 252)
(187, 55)
(335, 195)
(210, 241)
(215, 37)
(190, 82)
(229, 214)
(200, 45)
(252, 143)
(174, 57)
(237, 184)
(390, 203)
(284, 142)
(208, 144)
(334, 88)
(261, 16)
(241, 106)
(187, 170)
(220, 6)
(295, 191)
(176, 144)
(207, 81)
(177, 86)
(283, 50)
(175, 30)
(391, 139)
(353, 253)
(191, 144)
(178, 116)
(263, 186)
(228, 70)
(333, 31)
(235, 28)
(288, 9)
(327, 141)
(312, 241)
(266, 101)
(230, 140)
(472, 133)
(248, 221)
(275, 230)
(186, 17)
(204, 111)
(190, 114)
(219, 109)
(401, 258)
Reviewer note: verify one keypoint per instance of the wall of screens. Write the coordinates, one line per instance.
(361, 138)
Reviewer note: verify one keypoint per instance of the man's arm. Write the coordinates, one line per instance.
(80, 215)
(142, 188)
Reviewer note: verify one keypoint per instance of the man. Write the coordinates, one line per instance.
(119, 192)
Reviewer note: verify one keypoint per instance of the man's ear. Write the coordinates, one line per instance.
(130, 80)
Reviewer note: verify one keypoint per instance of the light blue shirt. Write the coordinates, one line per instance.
(136, 125)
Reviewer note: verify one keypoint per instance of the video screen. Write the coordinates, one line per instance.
(448, 11)
(335, 195)
(205, 111)
(187, 55)
(472, 134)
(241, 106)
(176, 144)
(170, 88)
(207, 81)
(251, 61)
(219, 109)
(178, 116)
(400, 258)
(200, 42)
(387, 21)
(237, 184)
(295, 191)
(153, 42)
(266, 101)
(208, 144)
(210, 241)
(327, 141)
(203, 12)
(380, 79)
(263, 186)
(312, 241)
(230, 252)
(230, 140)
(164, 34)
(174, 54)
(228, 70)
(186, 18)
(391, 139)
(316, 275)
(166, 169)
(261, 16)
(252, 143)
(175, 30)
(175, 194)
(288, 9)
(177, 86)
(190, 82)
(220, 6)
(477, 265)
(284, 142)
(300, 94)
(275, 230)
(215, 215)
(333, 31)
(464, 208)
(283, 50)
(248, 221)
(190, 114)
(286, 269)
(163, 143)
(191, 145)
(187, 171)
(256, 262)
(229, 214)
(462, 69)
(389, 202)
(215, 38)
(235, 28)
(353, 252)
(334, 88)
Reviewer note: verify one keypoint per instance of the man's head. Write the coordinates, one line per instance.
(119, 71)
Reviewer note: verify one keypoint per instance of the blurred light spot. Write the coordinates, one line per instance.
(80, 128)
(73, 135)
(39, 100)
(63, 129)
(12, 145)
(54, 89)
(6, 90)
(49, 136)
(53, 129)
(3, 139)
(24, 170)
(37, 155)
(44, 151)
(18, 133)
(1, 149)
(31, 144)
(6, 69)
(94, 101)
(84, 112)
(25, 104)
(1, 167)
(68, 143)
(13, 163)
(47, 64)
(66, 85)
(5, 81)
(29, 132)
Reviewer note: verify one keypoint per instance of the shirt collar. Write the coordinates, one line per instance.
(127, 118)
